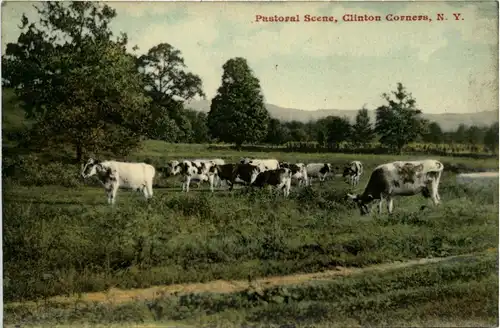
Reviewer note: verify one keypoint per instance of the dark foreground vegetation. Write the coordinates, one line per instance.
(457, 292)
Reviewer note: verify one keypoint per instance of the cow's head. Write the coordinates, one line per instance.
(362, 202)
(90, 168)
(172, 168)
(348, 171)
(245, 160)
(254, 173)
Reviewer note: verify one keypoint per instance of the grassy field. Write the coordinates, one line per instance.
(61, 238)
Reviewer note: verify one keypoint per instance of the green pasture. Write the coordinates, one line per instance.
(60, 237)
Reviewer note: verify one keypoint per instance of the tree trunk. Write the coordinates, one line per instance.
(79, 153)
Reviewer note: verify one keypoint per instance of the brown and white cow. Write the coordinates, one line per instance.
(352, 172)
(174, 168)
(401, 178)
(201, 171)
(263, 164)
(299, 172)
(279, 178)
(237, 173)
(318, 170)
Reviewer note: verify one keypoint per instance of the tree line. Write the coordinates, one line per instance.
(81, 87)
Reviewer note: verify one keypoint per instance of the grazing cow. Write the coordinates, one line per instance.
(318, 170)
(114, 175)
(202, 171)
(280, 178)
(401, 179)
(237, 173)
(174, 167)
(263, 164)
(352, 172)
(299, 172)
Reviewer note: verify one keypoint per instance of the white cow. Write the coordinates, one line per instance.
(318, 170)
(352, 172)
(114, 175)
(202, 171)
(401, 178)
(263, 164)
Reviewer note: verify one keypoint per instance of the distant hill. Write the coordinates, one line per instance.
(447, 121)
(13, 116)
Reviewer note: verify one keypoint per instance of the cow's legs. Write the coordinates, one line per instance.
(380, 203)
(148, 191)
(434, 192)
(211, 181)
(288, 185)
(437, 186)
(390, 204)
(112, 194)
(185, 185)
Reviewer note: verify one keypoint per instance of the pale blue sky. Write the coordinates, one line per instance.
(448, 66)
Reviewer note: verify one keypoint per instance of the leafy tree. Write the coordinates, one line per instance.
(399, 122)
(321, 136)
(491, 137)
(474, 135)
(338, 129)
(198, 120)
(237, 113)
(362, 130)
(434, 133)
(277, 134)
(79, 85)
(299, 135)
(169, 85)
(460, 135)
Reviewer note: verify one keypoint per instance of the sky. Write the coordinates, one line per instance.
(448, 66)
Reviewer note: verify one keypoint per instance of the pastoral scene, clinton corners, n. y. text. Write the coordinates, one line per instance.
(231, 164)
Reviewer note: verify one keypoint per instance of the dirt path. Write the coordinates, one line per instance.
(116, 295)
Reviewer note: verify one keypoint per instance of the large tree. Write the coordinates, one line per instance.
(398, 122)
(237, 113)
(362, 130)
(491, 138)
(169, 84)
(80, 86)
(434, 133)
(338, 129)
(277, 133)
(199, 129)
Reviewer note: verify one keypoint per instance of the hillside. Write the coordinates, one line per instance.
(13, 116)
(447, 121)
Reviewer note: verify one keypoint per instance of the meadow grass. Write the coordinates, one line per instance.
(60, 237)
(453, 292)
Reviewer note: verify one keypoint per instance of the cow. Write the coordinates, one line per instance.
(279, 178)
(237, 173)
(401, 178)
(263, 164)
(202, 171)
(298, 170)
(114, 175)
(174, 167)
(352, 172)
(318, 170)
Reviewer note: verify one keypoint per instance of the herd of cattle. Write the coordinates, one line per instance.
(400, 178)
